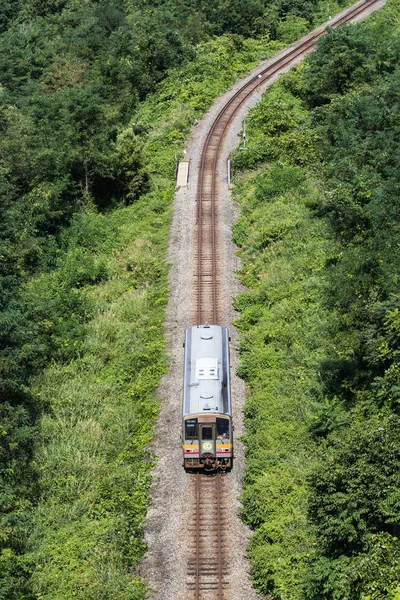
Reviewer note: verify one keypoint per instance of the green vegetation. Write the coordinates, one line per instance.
(319, 237)
(90, 125)
(284, 250)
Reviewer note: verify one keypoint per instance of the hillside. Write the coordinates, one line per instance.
(318, 232)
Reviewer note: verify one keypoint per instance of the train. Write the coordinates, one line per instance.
(207, 440)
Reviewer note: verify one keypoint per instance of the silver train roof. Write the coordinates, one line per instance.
(206, 387)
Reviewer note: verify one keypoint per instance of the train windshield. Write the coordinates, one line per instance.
(207, 433)
(191, 429)
(222, 429)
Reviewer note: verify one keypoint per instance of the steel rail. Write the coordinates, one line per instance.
(301, 47)
(309, 40)
(197, 588)
(207, 568)
(261, 77)
(220, 588)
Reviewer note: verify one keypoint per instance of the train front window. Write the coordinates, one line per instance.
(222, 430)
(191, 429)
(207, 433)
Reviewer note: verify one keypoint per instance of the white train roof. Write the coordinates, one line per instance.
(206, 387)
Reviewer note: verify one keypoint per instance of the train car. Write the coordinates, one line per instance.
(207, 442)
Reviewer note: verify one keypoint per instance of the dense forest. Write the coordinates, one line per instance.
(96, 97)
(319, 237)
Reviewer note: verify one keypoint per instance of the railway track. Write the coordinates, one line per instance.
(207, 569)
(208, 276)
(208, 563)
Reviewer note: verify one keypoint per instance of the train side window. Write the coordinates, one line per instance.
(223, 429)
(191, 429)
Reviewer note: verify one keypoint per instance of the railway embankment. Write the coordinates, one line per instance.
(316, 189)
(88, 286)
(169, 521)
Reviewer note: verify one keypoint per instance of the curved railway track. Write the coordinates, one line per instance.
(207, 569)
(207, 276)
